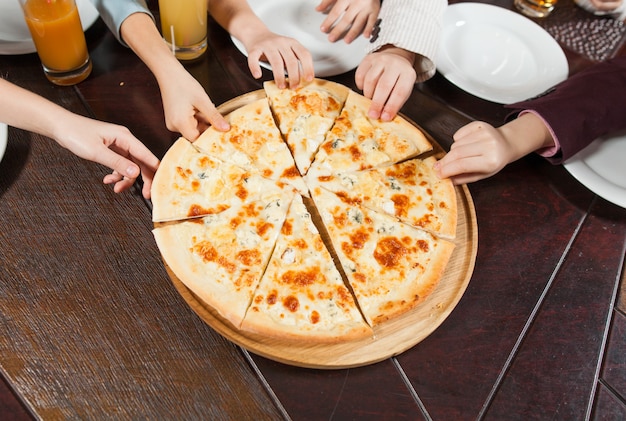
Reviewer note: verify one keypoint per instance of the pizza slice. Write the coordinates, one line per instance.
(253, 143)
(190, 184)
(221, 257)
(391, 266)
(302, 294)
(357, 142)
(409, 191)
(305, 114)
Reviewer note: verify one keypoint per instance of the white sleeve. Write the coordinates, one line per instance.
(414, 25)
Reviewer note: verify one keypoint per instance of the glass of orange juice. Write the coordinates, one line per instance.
(184, 26)
(59, 39)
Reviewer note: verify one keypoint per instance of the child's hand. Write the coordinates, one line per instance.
(386, 77)
(347, 19)
(285, 55)
(479, 151)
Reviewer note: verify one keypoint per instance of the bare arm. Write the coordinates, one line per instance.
(188, 109)
(108, 144)
(285, 55)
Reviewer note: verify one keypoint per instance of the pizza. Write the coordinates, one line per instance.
(409, 191)
(357, 142)
(231, 248)
(305, 115)
(391, 266)
(307, 220)
(302, 294)
(253, 143)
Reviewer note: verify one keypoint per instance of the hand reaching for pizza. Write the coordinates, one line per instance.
(97, 141)
(481, 150)
(110, 145)
(286, 56)
(187, 107)
(386, 77)
(347, 19)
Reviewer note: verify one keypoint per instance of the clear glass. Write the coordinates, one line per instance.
(184, 26)
(59, 39)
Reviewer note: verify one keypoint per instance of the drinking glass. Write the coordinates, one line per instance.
(59, 39)
(535, 8)
(184, 26)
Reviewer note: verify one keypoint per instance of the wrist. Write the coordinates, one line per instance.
(527, 133)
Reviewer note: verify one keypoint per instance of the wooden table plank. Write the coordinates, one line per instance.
(556, 368)
(614, 369)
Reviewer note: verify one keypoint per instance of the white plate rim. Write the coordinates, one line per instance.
(550, 55)
(579, 168)
(4, 136)
(88, 15)
(339, 58)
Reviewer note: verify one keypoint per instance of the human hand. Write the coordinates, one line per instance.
(386, 77)
(348, 19)
(284, 55)
(187, 107)
(110, 145)
(479, 151)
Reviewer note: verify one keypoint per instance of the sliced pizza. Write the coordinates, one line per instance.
(302, 294)
(221, 257)
(391, 266)
(357, 142)
(253, 143)
(190, 184)
(305, 115)
(410, 191)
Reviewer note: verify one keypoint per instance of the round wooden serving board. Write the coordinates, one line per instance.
(390, 338)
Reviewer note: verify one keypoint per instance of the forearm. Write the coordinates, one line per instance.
(28, 111)
(114, 12)
(526, 134)
(142, 36)
(238, 19)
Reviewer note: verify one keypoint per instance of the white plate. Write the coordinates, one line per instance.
(14, 35)
(4, 134)
(600, 167)
(498, 55)
(298, 19)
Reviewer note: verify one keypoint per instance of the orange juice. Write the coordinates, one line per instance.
(57, 33)
(184, 26)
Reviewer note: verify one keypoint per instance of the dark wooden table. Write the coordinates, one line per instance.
(93, 328)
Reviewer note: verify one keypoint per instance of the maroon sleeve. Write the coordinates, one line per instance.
(588, 105)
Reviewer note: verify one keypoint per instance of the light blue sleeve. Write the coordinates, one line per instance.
(114, 12)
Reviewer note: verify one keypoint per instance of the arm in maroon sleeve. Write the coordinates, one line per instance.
(582, 108)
